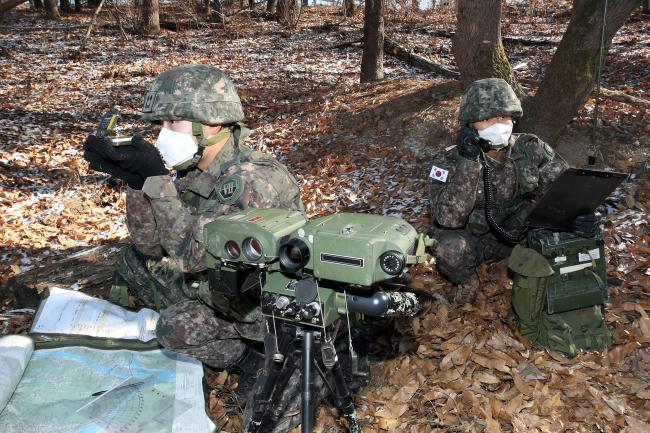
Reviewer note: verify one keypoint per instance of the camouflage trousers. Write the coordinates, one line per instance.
(186, 325)
(459, 252)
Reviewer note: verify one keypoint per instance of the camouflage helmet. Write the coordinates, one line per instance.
(488, 98)
(198, 93)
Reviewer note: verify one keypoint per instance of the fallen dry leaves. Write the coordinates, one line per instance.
(353, 147)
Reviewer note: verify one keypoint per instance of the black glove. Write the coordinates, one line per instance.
(586, 225)
(132, 163)
(470, 144)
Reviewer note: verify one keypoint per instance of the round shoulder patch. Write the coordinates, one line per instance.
(229, 189)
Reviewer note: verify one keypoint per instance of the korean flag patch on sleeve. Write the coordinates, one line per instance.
(438, 173)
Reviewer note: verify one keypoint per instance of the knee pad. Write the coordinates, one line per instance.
(456, 255)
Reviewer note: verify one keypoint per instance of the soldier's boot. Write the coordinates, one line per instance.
(248, 367)
(207, 389)
(466, 292)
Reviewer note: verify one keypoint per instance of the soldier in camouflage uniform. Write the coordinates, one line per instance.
(200, 111)
(523, 166)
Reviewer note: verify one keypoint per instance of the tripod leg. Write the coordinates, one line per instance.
(343, 399)
(341, 393)
(307, 360)
(261, 401)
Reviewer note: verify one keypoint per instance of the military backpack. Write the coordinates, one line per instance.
(559, 291)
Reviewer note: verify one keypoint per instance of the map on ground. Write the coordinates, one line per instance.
(83, 390)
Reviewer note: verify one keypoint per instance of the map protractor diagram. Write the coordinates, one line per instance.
(119, 410)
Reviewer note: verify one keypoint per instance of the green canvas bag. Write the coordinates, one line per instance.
(570, 326)
(574, 331)
(532, 272)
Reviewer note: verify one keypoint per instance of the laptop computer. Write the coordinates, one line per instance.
(577, 191)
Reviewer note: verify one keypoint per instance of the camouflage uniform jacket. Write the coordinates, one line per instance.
(457, 197)
(167, 217)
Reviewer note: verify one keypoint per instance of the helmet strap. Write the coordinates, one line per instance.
(236, 135)
(197, 131)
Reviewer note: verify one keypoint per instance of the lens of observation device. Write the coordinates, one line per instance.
(294, 255)
(232, 249)
(252, 249)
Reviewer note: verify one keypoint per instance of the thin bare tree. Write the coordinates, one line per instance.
(372, 60)
(348, 8)
(148, 19)
(65, 6)
(51, 10)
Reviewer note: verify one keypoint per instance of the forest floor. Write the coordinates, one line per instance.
(353, 147)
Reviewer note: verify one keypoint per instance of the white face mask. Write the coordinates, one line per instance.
(498, 134)
(175, 147)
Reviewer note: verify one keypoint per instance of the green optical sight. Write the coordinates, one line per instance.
(313, 273)
(319, 269)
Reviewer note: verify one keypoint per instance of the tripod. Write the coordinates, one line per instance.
(282, 365)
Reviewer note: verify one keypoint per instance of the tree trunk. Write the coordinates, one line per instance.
(305, 3)
(65, 6)
(10, 4)
(477, 44)
(216, 14)
(372, 60)
(251, 4)
(270, 6)
(90, 271)
(571, 76)
(348, 8)
(77, 5)
(393, 48)
(38, 5)
(415, 5)
(646, 6)
(148, 17)
(281, 9)
(51, 11)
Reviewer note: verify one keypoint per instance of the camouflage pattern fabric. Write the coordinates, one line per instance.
(464, 239)
(157, 281)
(187, 324)
(199, 93)
(141, 223)
(179, 221)
(459, 252)
(488, 98)
(285, 413)
(193, 328)
(166, 219)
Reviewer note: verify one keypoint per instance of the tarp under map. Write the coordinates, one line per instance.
(84, 390)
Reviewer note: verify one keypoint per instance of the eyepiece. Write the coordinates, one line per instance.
(294, 255)
(252, 249)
